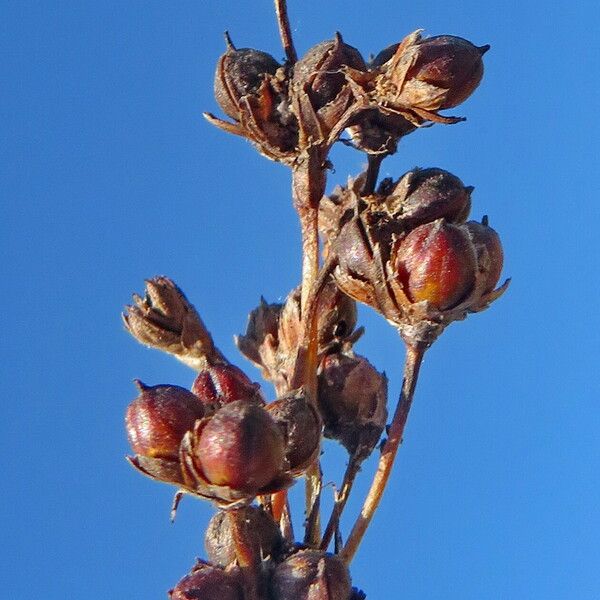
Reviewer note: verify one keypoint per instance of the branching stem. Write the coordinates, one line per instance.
(414, 358)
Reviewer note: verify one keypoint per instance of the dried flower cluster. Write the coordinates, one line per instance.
(403, 247)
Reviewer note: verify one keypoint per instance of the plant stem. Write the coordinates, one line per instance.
(249, 562)
(308, 187)
(340, 501)
(414, 358)
(284, 30)
(373, 166)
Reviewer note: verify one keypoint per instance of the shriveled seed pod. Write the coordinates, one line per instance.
(424, 195)
(320, 71)
(240, 73)
(311, 574)
(352, 399)
(220, 544)
(490, 255)
(301, 428)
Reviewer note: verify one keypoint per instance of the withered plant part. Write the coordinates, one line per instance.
(401, 246)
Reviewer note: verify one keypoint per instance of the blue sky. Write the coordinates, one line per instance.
(109, 175)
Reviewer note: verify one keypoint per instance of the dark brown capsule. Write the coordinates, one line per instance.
(490, 256)
(301, 427)
(311, 574)
(207, 582)
(320, 71)
(240, 73)
(220, 544)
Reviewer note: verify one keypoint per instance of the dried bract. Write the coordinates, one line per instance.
(166, 320)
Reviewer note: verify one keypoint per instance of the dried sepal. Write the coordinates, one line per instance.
(224, 383)
(166, 320)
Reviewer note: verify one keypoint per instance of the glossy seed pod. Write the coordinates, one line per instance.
(240, 73)
(219, 542)
(301, 427)
(159, 417)
(224, 383)
(208, 582)
(320, 71)
(310, 574)
(240, 447)
(436, 262)
(450, 63)
(490, 256)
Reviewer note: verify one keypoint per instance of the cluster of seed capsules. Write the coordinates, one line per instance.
(221, 441)
(404, 248)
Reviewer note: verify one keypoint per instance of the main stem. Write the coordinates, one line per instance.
(414, 358)
(308, 187)
(284, 30)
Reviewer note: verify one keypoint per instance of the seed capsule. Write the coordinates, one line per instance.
(436, 262)
(446, 62)
(219, 541)
(240, 447)
(311, 574)
(240, 73)
(301, 427)
(320, 70)
(352, 399)
(424, 195)
(490, 255)
(225, 383)
(159, 417)
(207, 582)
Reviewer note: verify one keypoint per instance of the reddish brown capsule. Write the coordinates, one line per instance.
(321, 70)
(207, 582)
(424, 195)
(221, 384)
(240, 73)
(219, 541)
(301, 427)
(240, 447)
(436, 262)
(451, 65)
(311, 574)
(352, 399)
(490, 256)
(159, 417)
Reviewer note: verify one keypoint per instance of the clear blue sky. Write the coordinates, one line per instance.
(110, 175)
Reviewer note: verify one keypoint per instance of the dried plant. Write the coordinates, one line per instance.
(403, 247)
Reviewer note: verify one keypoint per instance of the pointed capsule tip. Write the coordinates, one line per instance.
(140, 385)
(485, 220)
(228, 42)
(483, 49)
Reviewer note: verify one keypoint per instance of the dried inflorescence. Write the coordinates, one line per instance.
(403, 247)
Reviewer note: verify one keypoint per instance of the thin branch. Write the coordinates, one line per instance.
(414, 358)
(284, 30)
(373, 166)
(352, 470)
